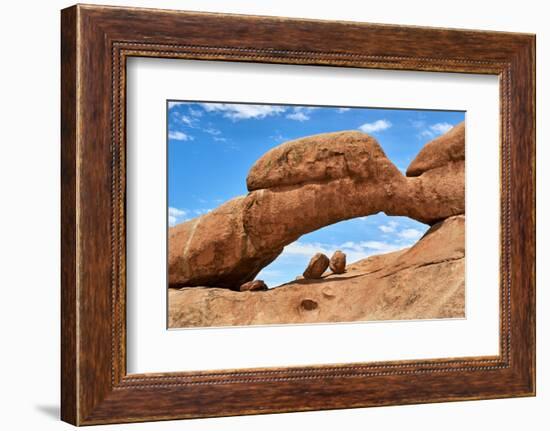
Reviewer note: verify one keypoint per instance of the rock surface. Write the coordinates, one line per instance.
(443, 150)
(425, 281)
(214, 250)
(337, 262)
(318, 264)
(308, 184)
(253, 286)
(324, 157)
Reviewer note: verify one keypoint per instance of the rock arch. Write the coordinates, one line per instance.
(306, 184)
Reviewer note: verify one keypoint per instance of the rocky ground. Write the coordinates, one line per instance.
(425, 281)
(307, 184)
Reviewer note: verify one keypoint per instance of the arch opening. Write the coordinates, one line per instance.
(358, 238)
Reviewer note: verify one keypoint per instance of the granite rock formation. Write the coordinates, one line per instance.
(304, 185)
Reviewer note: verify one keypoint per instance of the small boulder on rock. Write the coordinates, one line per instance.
(317, 266)
(338, 262)
(251, 286)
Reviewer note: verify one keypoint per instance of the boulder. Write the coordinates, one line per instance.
(337, 262)
(318, 264)
(252, 286)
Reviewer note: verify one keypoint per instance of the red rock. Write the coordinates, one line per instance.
(251, 286)
(231, 244)
(443, 150)
(214, 250)
(317, 266)
(337, 262)
(324, 157)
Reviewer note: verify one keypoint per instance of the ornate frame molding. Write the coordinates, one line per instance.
(96, 41)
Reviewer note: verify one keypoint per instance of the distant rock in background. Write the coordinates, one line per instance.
(337, 262)
(317, 266)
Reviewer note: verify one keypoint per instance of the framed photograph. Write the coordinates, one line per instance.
(263, 214)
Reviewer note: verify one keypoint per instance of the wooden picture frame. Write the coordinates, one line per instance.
(95, 43)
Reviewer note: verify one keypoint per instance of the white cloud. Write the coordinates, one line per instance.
(410, 234)
(174, 104)
(441, 127)
(300, 113)
(297, 116)
(342, 110)
(188, 121)
(418, 124)
(435, 130)
(176, 215)
(212, 131)
(178, 117)
(376, 126)
(354, 250)
(215, 133)
(195, 112)
(306, 249)
(278, 137)
(389, 227)
(192, 121)
(176, 212)
(179, 136)
(380, 246)
(243, 111)
(202, 211)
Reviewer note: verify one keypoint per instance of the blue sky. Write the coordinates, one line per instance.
(211, 147)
